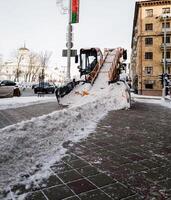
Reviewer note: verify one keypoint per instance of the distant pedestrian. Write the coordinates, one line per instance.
(57, 93)
(129, 82)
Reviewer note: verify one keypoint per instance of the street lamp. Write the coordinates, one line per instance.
(164, 17)
(67, 10)
(68, 76)
(73, 17)
(164, 69)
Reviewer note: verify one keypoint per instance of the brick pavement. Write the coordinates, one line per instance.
(127, 157)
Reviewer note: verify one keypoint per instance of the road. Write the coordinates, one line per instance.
(15, 115)
(30, 92)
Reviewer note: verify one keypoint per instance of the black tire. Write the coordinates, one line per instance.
(35, 91)
(19, 93)
(16, 92)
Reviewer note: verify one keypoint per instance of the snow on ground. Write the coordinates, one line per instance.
(152, 99)
(16, 102)
(166, 103)
(39, 140)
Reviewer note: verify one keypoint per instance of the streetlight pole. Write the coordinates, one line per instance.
(69, 34)
(164, 68)
(67, 10)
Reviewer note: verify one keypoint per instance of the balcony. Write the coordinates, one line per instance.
(168, 46)
(168, 61)
(168, 30)
(166, 16)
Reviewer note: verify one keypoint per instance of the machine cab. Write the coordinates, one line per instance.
(88, 60)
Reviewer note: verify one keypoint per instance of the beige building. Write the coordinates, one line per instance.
(151, 20)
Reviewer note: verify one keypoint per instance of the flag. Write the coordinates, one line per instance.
(75, 11)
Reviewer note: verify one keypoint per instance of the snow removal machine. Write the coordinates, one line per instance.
(91, 61)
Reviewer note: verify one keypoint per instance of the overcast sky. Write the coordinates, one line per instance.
(39, 23)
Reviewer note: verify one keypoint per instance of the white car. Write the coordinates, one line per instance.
(9, 89)
(6, 91)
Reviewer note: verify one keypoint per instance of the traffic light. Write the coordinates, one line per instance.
(125, 54)
(161, 76)
(165, 77)
(169, 76)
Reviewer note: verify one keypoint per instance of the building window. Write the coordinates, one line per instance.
(148, 27)
(148, 70)
(167, 54)
(167, 25)
(148, 86)
(167, 39)
(149, 12)
(165, 10)
(148, 55)
(148, 41)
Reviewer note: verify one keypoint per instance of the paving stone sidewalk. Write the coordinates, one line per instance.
(127, 157)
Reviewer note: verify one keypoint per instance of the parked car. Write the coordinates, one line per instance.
(44, 87)
(33, 85)
(9, 89)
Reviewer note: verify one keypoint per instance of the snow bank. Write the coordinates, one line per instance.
(39, 140)
(16, 102)
(166, 102)
(152, 99)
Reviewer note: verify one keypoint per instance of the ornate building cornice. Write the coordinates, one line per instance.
(153, 2)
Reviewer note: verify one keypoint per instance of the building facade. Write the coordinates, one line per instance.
(16, 68)
(25, 67)
(151, 32)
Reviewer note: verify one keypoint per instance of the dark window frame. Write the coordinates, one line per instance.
(166, 10)
(148, 70)
(149, 12)
(167, 25)
(168, 55)
(149, 41)
(168, 39)
(149, 27)
(149, 55)
(149, 86)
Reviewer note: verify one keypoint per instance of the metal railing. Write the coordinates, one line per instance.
(167, 30)
(168, 45)
(168, 61)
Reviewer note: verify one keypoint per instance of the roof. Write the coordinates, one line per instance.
(23, 49)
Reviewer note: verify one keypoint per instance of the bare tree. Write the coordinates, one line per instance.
(35, 72)
(33, 66)
(17, 72)
(44, 60)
